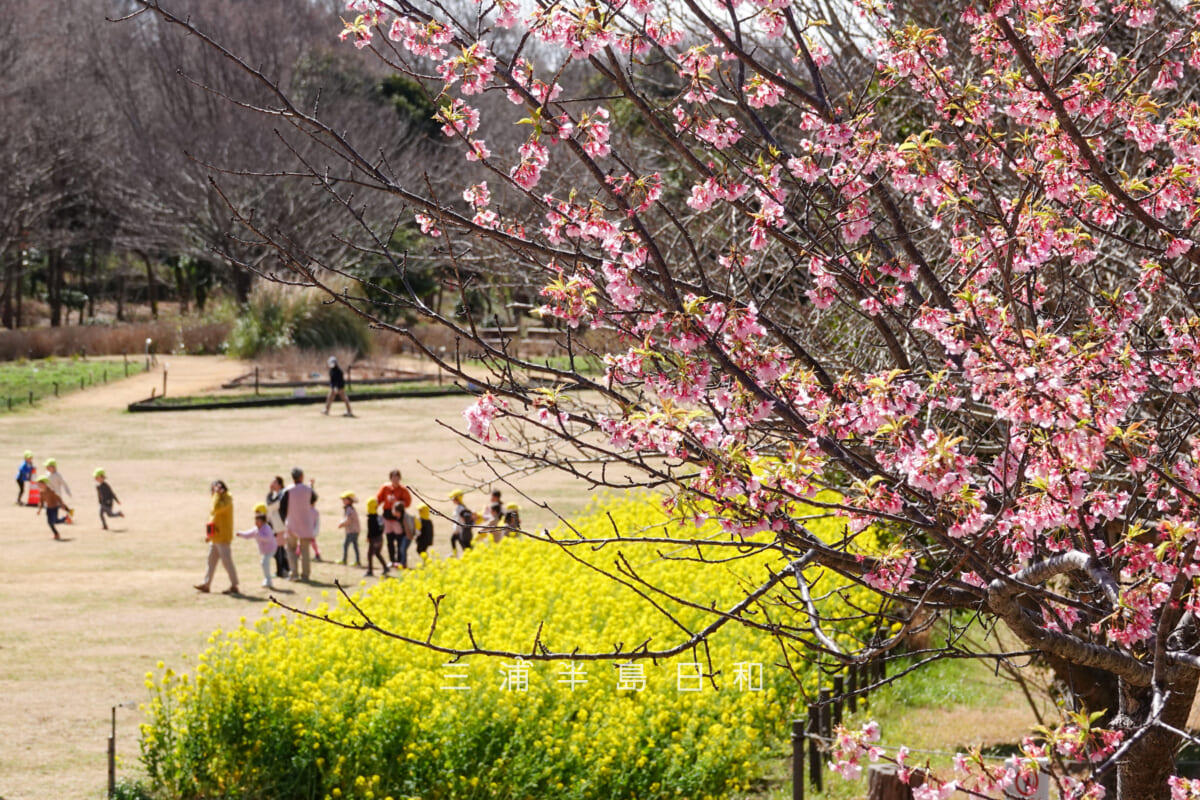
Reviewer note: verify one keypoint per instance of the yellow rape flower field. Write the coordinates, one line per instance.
(293, 706)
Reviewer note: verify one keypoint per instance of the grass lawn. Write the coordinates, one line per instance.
(359, 392)
(25, 382)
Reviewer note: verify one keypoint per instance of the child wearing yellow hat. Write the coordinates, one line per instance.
(49, 500)
(264, 536)
(24, 475)
(424, 529)
(464, 520)
(374, 539)
(352, 527)
(59, 484)
(107, 497)
(512, 519)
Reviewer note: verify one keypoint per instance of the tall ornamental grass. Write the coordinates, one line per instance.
(298, 708)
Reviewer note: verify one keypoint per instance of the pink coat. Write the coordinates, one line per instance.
(263, 535)
(301, 521)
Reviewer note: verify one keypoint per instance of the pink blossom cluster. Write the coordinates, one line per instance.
(421, 38)
(475, 66)
(481, 415)
(571, 299)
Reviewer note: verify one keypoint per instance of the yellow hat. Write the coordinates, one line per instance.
(455, 494)
(423, 511)
(512, 507)
(43, 479)
(261, 508)
(29, 454)
(372, 505)
(51, 462)
(350, 495)
(98, 472)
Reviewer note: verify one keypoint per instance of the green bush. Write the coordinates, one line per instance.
(331, 326)
(279, 317)
(264, 327)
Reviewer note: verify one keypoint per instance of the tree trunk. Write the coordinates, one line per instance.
(181, 287)
(54, 280)
(121, 296)
(151, 291)
(93, 285)
(1143, 772)
(20, 287)
(10, 276)
(243, 281)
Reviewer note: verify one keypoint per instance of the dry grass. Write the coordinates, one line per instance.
(182, 335)
(82, 621)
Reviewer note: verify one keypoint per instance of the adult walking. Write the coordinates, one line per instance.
(220, 538)
(296, 508)
(337, 388)
(394, 498)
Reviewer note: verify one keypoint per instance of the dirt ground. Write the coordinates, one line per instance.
(83, 620)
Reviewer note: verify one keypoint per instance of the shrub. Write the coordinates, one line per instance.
(331, 326)
(278, 317)
(300, 708)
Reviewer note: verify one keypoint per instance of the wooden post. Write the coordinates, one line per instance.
(164, 394)
(56, 388)
(839, 697)
(112, 756)
(883, 783)
(824, 700)
(797, 760)
(812, 731)
(256, 379)
(852, 687)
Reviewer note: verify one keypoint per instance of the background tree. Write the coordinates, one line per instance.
(942, 264)
(193, 155)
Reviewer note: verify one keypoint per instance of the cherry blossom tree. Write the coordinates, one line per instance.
(940, 260)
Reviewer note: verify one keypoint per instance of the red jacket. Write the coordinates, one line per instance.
(389, 495)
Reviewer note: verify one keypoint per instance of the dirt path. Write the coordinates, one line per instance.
(82, 621)
(185, 375)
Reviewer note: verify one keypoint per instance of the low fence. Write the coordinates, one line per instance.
(30, 397)
(850, 691)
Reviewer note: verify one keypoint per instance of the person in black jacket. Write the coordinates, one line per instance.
(107, 497)
(337, 388)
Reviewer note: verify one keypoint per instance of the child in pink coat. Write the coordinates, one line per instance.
(264, 536)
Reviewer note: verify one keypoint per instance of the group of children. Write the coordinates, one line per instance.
(388, 522)
(52, 491)
(498, 519)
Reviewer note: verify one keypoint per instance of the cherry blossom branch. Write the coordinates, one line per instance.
(1002, 600)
